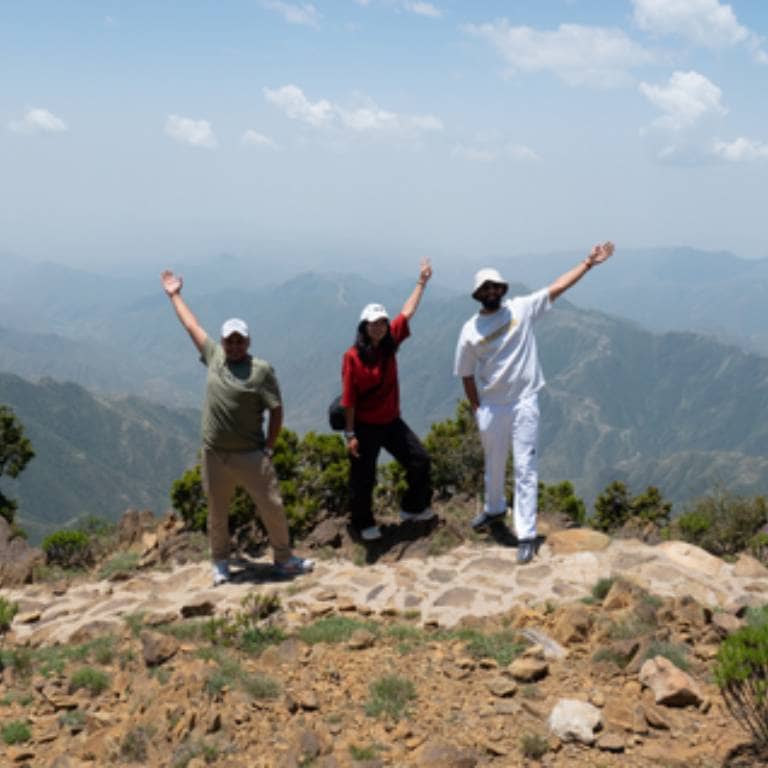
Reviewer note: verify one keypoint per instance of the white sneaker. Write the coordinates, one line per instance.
(425, 514)
(221, 573)
(371, 534)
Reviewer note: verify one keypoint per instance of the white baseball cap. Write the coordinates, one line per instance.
(234, 325)
(488, 275)
(373, 312)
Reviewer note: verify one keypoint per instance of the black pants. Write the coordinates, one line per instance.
(405, 446)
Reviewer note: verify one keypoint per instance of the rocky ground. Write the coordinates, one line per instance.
(432, 648)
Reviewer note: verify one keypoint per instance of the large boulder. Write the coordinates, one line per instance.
(17, 558)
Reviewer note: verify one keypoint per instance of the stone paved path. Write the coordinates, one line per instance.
(470, 580)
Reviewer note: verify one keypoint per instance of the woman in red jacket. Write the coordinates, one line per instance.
(371, 400)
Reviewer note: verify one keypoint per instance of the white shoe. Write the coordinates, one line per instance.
(425, 514)
(221, 573)
(371, 534)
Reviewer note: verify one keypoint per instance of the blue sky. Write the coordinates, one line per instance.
(361, 133)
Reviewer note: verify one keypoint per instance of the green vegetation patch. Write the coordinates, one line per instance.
(334, 629)
(503, 647)
(93, 680)
(389, 696)
(533, 746)
(676, 653)
(68, 549)
(120, 563)
(15, 732)
(7, 611)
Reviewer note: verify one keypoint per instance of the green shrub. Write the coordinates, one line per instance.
(123, 563)
(333, 629)
(15, 452)
(312, 473)
(93, 680)
(602, 588)
(390, 696)
(741, 673)
(134, 747)
(16, 732)
(561, 499)
(614, 508)
(457, 464)
(7, 611)
(503, 647)
(676, 653)
(723, 523)
(533, 746)
(758, 546)
(69, 549)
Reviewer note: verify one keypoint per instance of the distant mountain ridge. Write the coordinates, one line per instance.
(679, 410)
(94, 456)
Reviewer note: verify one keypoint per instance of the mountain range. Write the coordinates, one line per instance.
(680, 410)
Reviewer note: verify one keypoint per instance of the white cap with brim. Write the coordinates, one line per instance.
(234, 325)
(373, 312)
(488, 275)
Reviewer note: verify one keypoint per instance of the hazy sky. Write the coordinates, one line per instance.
(355, 129)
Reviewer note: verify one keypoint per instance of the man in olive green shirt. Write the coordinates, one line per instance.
(236, 451)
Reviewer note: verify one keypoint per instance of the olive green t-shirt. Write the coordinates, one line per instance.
(236, 397)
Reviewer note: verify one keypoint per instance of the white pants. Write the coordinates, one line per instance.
(517, 424)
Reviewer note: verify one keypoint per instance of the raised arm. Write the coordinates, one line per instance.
(172, 285)
(412, 302)
(597, 255)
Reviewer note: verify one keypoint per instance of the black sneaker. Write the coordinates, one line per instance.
(526, 549)
(483, 519)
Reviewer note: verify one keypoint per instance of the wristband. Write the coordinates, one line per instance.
(349, 435)
(588, 264)
(269, 453)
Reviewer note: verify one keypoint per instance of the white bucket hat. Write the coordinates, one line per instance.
(373, 312)
(234, 325)
(488, 275)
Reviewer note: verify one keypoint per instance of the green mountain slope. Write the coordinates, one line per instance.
(94, 455)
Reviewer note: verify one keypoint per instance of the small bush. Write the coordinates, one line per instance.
(134, 747)
(119, 563)
(73, 719)
(501, 646)
(677, 654)
(741, 673)
(533, 746)
(614, 508)
(390, 696)
(561, 499)
(69, 549)
(602, 588)
(93, 680)
(333, 629)
(363, 753)
(260, 686)
(723, 523)
(16, 732)
(7, 611)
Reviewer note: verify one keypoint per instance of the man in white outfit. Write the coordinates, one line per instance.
(497, 361)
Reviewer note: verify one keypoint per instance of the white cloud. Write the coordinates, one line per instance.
(706, 22)
(255, 139)
(491, 154)
(521, 152)
(686, 98)
(577, 54)
(475, 154)
(291, 100)
(423, 9)
(38, 120)
(305, 14)
(740, 150)
(367, 118)
(196, 133)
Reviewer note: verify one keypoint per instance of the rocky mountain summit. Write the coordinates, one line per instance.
(599, 653)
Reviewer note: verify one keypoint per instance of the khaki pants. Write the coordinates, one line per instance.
(253, 471)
